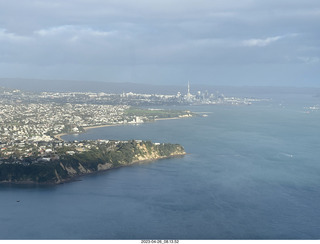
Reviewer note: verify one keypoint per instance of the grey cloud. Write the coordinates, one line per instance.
(100, 38)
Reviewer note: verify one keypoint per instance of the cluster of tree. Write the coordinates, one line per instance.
(40, 172)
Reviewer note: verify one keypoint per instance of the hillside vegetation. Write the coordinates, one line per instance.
(101, 157)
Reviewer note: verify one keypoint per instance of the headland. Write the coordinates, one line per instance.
(88, 157)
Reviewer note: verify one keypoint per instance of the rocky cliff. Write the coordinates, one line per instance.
(102, 157)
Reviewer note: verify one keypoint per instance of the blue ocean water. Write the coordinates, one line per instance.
(252, 172)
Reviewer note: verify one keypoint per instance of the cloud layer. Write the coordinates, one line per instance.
(207, 41)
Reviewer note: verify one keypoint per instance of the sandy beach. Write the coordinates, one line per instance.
(167, 118)
(99, 126)
(58, 136)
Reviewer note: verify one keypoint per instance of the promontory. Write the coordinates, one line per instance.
(74, 159)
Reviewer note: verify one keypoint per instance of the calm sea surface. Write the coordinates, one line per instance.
(252, 172)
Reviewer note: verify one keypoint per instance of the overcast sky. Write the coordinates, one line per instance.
(218, 42)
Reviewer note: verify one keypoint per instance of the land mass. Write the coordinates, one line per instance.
(31, 126)
(69, 162)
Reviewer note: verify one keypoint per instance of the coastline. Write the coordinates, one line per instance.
(144, 161)
(58, 136)
(76, 177)
(99, 126)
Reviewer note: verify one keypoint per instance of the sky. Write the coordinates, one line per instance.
(216, 42)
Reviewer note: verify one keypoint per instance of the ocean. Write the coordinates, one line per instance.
(251, 172)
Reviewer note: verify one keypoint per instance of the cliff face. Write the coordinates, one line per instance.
(103, 157)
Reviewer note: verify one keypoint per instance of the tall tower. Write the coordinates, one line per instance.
(188, 96)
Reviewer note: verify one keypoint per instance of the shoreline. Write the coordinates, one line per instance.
(58, 136)
(169, 118)
(76, 177)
